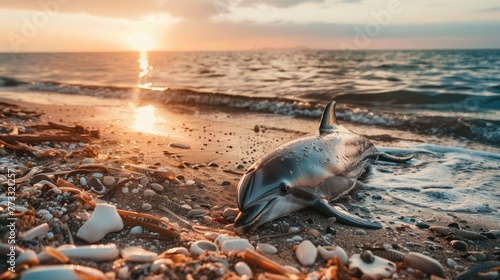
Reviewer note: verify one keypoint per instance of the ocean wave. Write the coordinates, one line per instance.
(10, 82)
(355, 108)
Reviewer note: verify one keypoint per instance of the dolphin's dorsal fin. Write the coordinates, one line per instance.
(328, 121)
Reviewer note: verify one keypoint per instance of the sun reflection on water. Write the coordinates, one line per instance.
(145, 119)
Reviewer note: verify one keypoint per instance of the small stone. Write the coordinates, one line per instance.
(146, 206)
(297, 238)
(306, 253)
(451, 263)
(293, 230)
(256, 128)
(88, 161)
(422, 224)
(197, 213)
(108, 181)
(211, 235)
(228, 212)
(157, 187)
(329, 252)
(136, 230)
(190, 182)
(377, 196)
(138, 254)
(186, 206)
(266, 248)
(149, 193)
(459, 245)
(360, 232)
(179, 145)
(331, 220)
(124, 190)
(236, 244)
(97, 175)
(225, 183)
(243, 269)
(83, 181)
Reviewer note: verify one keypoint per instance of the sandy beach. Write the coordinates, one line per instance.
(209, 149)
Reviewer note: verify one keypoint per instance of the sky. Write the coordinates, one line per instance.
(219, 25)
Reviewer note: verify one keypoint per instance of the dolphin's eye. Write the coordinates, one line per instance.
(284, 187)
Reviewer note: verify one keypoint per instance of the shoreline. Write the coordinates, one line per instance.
(229, 140)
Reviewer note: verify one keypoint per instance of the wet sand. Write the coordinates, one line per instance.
(229, 139)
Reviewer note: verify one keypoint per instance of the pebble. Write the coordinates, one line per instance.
(190, 182)
(459, 245)
(88, 161)
(97, 175)
(138, 254)
(197, 213)
(422, 224)
(228, 212)
(293, 230)
(83, 181)
(266, 248)
(306, 253)
(157, 187)
(211, 235)
(360, 232)
(237, 245)
(124, 190)
(243, 269)
(149, 193)
(225, 183)
(186, 207)
(297, 238)
(200, 246)
(136, 230)
(451, 263)
(329, 252)
(108, 181)
(146, 206)
(179, 145)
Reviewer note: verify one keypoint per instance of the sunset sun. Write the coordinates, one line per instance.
(141, 41)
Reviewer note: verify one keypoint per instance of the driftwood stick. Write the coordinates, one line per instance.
(37, 138)
(73, 129)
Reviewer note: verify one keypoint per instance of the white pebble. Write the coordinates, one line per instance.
(297, 238)
(83, 181)
(228, 212)
(136, 230)
(190, 182)
(135, 191)
(138, 254)
(97, 175)
(236, 244)
(306, 253)
(146, 206)
(266, 248)
(148, 193)
(243, 269)
(88, 161)
(293, 230)
(186, 206)
(329, 252)
(124, 190)
(211, 235)
(157, 187)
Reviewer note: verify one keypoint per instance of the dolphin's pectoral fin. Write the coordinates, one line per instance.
(391, 158)
(343, 216)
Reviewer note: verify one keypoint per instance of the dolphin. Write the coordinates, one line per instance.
(307, 172)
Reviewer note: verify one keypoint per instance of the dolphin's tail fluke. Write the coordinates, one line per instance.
(391, 158)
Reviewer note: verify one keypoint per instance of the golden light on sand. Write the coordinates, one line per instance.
(141, 41)
(145, 119)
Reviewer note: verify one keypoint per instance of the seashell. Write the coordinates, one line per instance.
(243, 269)
(424, 263)
(306, 253)
(138, 254)
(101, 252)
(266, 248)
(329, 252)
(176, 250)
(62, 272)
(96, 185)
(104, 220)
(379, 268)
(228, 212)
(34, 232)
(27, 257)
(200, 246)
(237, 245)
(157, 187)
(389, 254)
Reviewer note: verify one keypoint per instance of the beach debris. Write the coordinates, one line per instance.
(34, 232)
(252, 257)
(389, 254)
(330, 252)
(306, 253)
(138, 254)
(371, 266)
(104, 220)
(62, 272)
(200, 246)
(28, 257)
(101, 252)
(424, 263)
(243, 269)
(266, 248)
(444, 231)
(236, 245)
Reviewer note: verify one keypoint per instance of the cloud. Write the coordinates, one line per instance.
(488, 10)
(276, 3)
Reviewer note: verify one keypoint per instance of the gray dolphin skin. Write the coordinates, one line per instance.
(307, 172)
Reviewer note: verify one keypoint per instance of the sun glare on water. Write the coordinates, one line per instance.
(145, 119)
